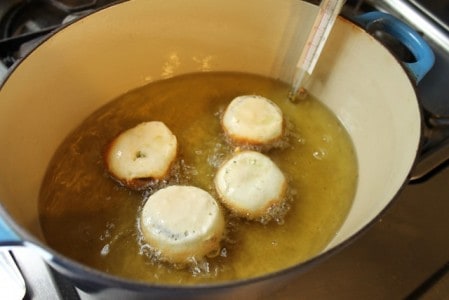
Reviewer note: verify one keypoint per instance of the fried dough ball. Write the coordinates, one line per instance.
(142, 155)
(250, 184)
(182, 222)
(253, 120)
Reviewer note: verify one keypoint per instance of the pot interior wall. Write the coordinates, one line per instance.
(130, 44)
(370, 92)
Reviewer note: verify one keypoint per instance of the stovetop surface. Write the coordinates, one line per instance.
(439, 8)
(400, 257)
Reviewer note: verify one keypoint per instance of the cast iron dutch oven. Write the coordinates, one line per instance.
(99, 57)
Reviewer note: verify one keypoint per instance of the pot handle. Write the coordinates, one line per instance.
(424, 57)
(7, 236)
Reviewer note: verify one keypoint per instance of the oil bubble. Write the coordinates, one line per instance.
(319, 154)
(224, 252)
(327, 138)
(105, 250)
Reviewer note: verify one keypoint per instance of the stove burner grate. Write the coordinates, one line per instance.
(22, 21)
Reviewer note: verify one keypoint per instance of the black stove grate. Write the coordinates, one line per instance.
(22, 21)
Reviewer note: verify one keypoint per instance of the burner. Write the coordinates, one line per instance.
(74, 5)
(79, 5)
(29, 17)
(24, 22)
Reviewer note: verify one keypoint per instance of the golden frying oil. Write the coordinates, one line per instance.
(87, 216)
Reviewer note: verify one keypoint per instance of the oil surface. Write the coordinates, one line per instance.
(89, 217)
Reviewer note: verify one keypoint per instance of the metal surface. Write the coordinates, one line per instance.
(394, 257)
(40, 283)
(12, 283)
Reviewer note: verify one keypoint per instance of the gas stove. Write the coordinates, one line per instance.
(23, 23)
(404, 255)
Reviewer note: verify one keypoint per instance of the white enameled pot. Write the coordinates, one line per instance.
(101, 56)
